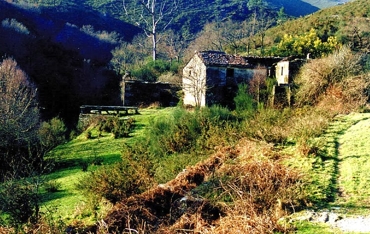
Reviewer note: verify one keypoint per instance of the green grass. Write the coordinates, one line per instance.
(68, 203)
(354, 165)
(306, 227)
(339, 172)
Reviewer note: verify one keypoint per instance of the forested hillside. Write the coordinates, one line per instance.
(349, 23)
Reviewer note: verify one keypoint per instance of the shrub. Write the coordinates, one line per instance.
(305, 124)
(84, 165)
(329, 73)
(118, 181)
(88, 134)
(113, 124)
(19, 121)
(152, 70)
(255, 192)
(52, 186)
(244, 103)
(52, 133)
(185, 131)
(19, 200)
(269, 125)
(301, 45)
(123, 128)
(15, 25)
(110, 37)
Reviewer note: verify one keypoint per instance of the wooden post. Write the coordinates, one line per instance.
(272, 98)
(288, 94)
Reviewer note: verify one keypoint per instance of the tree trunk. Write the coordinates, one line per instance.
(154, 41)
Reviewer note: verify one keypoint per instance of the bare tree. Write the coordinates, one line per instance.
(258, 83)
(260, 21)
(127, 56)
(210, 38)
(152, 16)
(174, 45)
(19, 117)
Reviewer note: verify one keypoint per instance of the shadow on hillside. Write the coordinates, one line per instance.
(83, 164)
(331, 154)
(296, 8)
(62, 25)
(52, 196)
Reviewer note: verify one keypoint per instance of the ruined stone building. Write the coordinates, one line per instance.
(212, 77)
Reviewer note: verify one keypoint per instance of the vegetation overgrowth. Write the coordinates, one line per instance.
(176, 169)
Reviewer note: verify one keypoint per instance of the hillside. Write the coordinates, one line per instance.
(348, 22)
(350, 197)
(263, 167)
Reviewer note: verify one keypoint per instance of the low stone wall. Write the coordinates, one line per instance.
(139, 93)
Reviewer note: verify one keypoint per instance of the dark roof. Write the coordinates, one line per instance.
(217, 58)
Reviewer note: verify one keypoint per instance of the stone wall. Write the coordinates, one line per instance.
(138, 93)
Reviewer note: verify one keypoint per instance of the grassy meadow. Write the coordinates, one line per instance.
(80, 156)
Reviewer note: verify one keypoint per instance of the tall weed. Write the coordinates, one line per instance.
(245, 105)
(255, 193)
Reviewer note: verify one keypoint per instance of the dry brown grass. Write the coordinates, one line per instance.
(347, 96)
(4, 230)
(335, 83)
(261, 187)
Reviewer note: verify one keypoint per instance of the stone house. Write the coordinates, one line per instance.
(286, 69)
(212, 77)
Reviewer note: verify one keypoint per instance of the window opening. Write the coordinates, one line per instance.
(229, 72)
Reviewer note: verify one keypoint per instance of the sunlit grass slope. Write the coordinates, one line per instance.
(80, 156)
(354, 164)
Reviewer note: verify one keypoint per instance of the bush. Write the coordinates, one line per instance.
(185, 131)
(52, 186)
(118, 181)
(244, 103)
(269, 125)
(19, 121)
(19, 200)
(319, 76)
(88, 134)
(52, 133)
(113, 124)
(15, 25)
(152, 70)
(255, 191)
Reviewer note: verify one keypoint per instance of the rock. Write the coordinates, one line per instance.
(354, 224)
(333, 217)
(323, 217)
